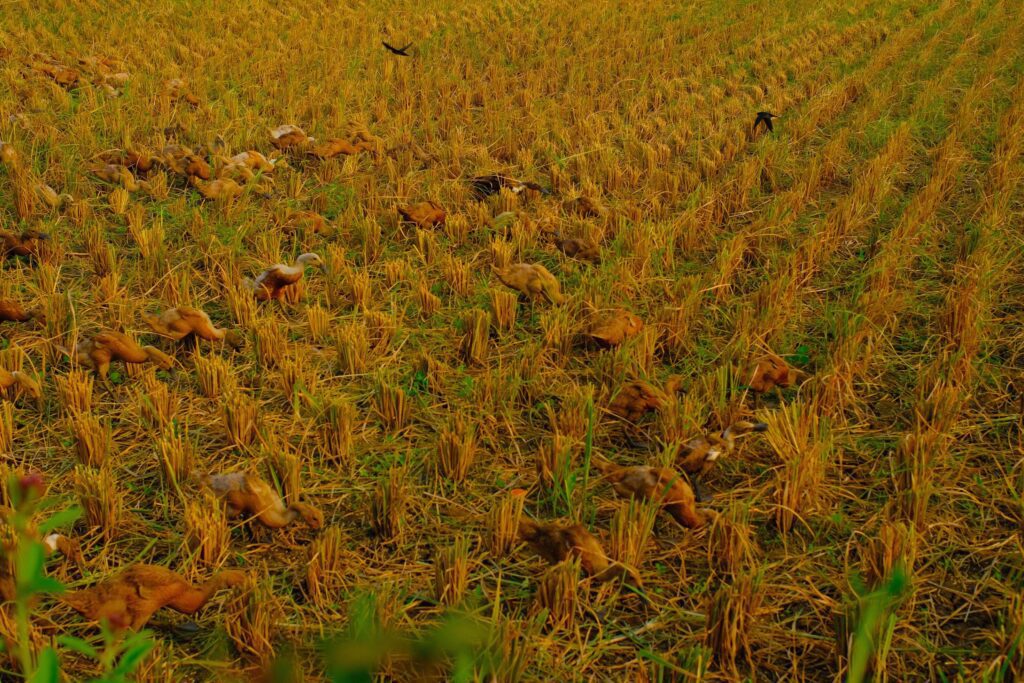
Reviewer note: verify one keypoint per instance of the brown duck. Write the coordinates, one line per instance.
(771, 372)
(25, 244)
(287, 136)
(558, 541)
(184, 321)
(532, 280)
(13, 312)
(699, 454)
(271, 282)
(246, 495)
(100, 350)
(637, 398)
(221, 189)
(661, 484)
(423, 215)
(332, 147)
(614, 327)
(130, 598)
(10, 378)
(578, 247)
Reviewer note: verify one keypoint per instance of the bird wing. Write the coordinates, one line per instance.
(389, 47)
(277, 276)
(769, 125)
(403, 49)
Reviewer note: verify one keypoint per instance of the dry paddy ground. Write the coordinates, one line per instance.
(872, 242)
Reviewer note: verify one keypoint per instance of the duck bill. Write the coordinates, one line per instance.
(760, 427)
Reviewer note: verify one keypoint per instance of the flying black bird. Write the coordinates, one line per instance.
(486, 185)
(765, 117)
(401, 51)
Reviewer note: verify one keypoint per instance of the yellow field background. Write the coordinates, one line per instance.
(873, 241)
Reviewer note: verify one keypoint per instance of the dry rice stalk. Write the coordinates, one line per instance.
(326, 568)
(287, 467)
(156, 405)
(176, 455)
(456, 448)
(476, 336)
(451, 571)
(270, 343)
(101, 501)
(92, 439)
(6, 429)
(206, 529)
(387, 506)
(731, 544)
(242, 304)
(731, 614)
(803, 442)
(74, 391)
(392, 406)
(557, 593)
(429, 302)
(573, 416)
(253, 614)
(213, 374)
(630, 531)
(239, 415)
(353, 349)
(503, 524)
(318, 319)
(504, 306)
(336, 428)
(554, 461)
(895, 545)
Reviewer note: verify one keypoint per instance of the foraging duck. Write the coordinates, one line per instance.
(287, 136)
(116, 175)
(661, 484)
(558, 541)
(771, 372)
(308, 222)
(25, 244)
(637, 398)
(13, 312)
(8, 155)
(614, 327)
(185, 162)
(424, 215)
(184, 321)
(97, 352)
(578, 247)
(246, 495)
(52, 198)
(530, 279)
(10, 378)
(486, 185)
(333, 147)
(177, 90)
(255, 161)
(221, 189)
(130, 598)
(270, 283)
(585, 207)
(697, 455)
(142, 162)
(63, 76)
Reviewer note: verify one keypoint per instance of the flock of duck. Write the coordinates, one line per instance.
(132, 596)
